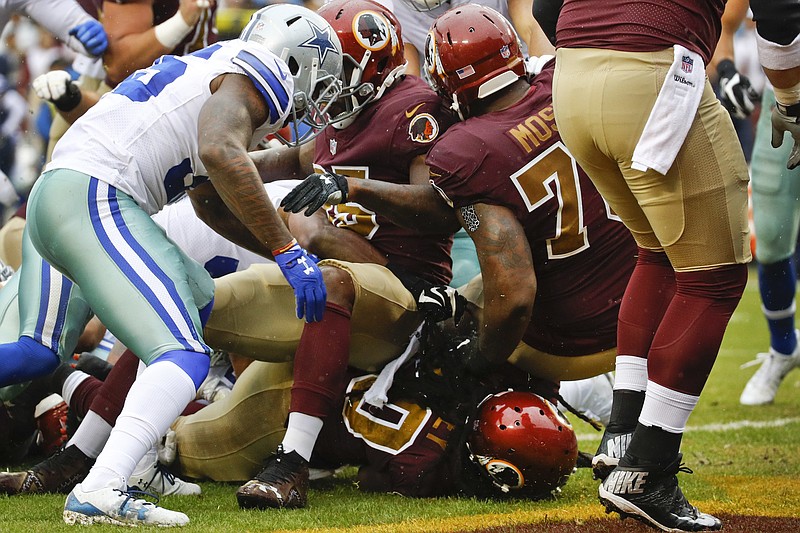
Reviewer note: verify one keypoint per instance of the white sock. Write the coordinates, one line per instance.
(630, 373)
(156, 399)
(91, 435)
(71, 383)
(301, 434)
(667, 408)
(145, 464)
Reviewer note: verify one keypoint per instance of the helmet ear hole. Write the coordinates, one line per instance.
(294, 66)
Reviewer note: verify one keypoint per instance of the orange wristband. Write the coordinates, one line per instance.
(284, 248)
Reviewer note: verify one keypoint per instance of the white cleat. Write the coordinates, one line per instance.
(117, 507)
(155, 478)
(763, 386)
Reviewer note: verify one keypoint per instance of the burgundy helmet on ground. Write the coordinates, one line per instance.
(523, 443)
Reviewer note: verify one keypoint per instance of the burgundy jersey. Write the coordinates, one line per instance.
(582, 254)
(203, 34)
(380, 145)
(402, 443)
(641, 25)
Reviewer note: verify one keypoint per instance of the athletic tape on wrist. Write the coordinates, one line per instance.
(789, 96)
(171, 32)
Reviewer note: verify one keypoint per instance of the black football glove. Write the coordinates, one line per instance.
(735, 92)
(441, 302)
(315, 191)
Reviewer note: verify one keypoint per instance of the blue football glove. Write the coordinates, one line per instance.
(92, 36)
(305, 278)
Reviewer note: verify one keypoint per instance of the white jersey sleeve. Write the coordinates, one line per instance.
(58, 17)
(142, 137)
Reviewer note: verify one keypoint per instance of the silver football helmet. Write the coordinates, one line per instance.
(312, 51)
(425, 5)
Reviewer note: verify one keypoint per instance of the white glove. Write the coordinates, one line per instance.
(52, 85)
(535, 64)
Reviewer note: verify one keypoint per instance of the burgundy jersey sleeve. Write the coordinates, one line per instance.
(582, 254)
(641, 25)
(380, 145)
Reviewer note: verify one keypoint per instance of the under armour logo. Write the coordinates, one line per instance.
(626, 482)
(308, 270)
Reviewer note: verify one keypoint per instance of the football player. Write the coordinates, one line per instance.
(416, 17)
(138, 33)
(659, 146)
(66, 19)
(372, 306)
(555, 260)
(89, 215)
(403, 446)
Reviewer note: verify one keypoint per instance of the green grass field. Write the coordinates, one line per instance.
(746, 462)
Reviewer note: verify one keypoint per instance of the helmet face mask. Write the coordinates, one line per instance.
(471, 53)
(522, 444)
(373, 53)
(312, 52)
(425, 5)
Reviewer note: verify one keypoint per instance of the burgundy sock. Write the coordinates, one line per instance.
(84, 395)
(111, 396)
(320, 363)
(649, 293)
(688, 339)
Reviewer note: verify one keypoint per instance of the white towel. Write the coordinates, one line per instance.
(672, 114)
(378, 393)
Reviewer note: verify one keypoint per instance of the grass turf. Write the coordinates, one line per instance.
(746, 462)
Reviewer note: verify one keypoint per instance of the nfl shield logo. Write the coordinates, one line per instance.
(332, 146)
(687, 64)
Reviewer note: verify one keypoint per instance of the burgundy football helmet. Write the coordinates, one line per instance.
(372, 46)
(523, 443)
(471, 52)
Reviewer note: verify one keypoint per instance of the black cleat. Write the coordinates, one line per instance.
(612, 448)
(651, 495)
(59, 473)
(282, 484)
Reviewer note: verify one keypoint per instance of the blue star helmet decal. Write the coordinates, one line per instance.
(321, 41)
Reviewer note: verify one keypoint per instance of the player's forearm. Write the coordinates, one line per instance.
(508, 303)
(417, 207)
(279, 163)
(211, 209)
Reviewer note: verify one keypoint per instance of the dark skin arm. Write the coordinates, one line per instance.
(284, 162)
(415, 206)
(226, 125)
(509, 280)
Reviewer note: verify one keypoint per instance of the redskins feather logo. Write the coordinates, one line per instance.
(372, 30)
(423, 128)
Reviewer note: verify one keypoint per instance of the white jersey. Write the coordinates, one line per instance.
(415, 24)
(218, 255)
(142, 137)
(56, 16)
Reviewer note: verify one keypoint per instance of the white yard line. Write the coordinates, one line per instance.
(728, 426)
